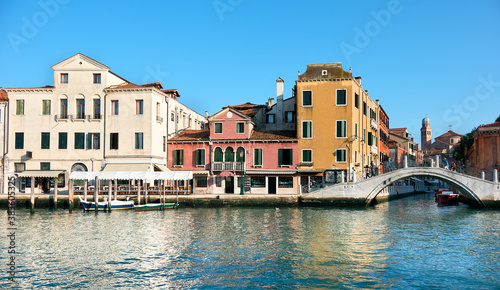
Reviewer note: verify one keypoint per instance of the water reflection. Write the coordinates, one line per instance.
(404, 243)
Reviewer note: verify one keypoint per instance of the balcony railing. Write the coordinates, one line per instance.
(60, 117)
(94, 117)
(373, 124)
(227, 166)
(374, 150)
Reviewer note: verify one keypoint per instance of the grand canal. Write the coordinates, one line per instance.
(407, 243)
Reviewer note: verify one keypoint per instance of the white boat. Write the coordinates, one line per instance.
(104, 205)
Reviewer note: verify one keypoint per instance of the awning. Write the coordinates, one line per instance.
(273, 172)
(200, 172)
(226, 174)
(126, 167)
(160, 167)
(40, 173)
(129, 175)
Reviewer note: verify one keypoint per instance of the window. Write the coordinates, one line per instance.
(451, 141)
(218, 128)
(285, 182)
(64, 108)
(341, 155)
(139, 107)
(93, 141)
(259, 181)
(355, 156)
(63, 140)
(307, 156)
(139, 140)
(172, 117)
(158, 109)
(240, 127)
(306, 98)
(341, 129)
(257, 157)
(20, 167)
(79, 140)
(373, 115)
(370, 139)
(97, 78)
(97, 108)
(285, 157)
(270, 118)
(45, 140)
(289, 117)
(44, 165)
(307, 129)
(164, 143)
(201, 181)
(364, 108)
(364, 135)
(218, 155)
(19, 141)
(356, 130)
(45, 107)
(114, 107)
(218, 181)
(64, 78)
(178, 157)
(341, 98)
(19, 107)
(80, 108)
(356, 100)
(229, 155)
(200, 157)
(113, 141)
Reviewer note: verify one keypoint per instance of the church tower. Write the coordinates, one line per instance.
(426, 134)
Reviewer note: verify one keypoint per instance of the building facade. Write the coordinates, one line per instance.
(232, 157)
(485, 152)
(384, 139)
(337, 125)
(89, 120)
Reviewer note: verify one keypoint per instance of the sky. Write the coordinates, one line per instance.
(435, 59)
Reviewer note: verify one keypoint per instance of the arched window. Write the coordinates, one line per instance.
(229, 155)
(80, 107)
(240, 154)
(218, 155)
(96, 112)
(63, 107)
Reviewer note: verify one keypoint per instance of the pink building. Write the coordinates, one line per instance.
(231, 148)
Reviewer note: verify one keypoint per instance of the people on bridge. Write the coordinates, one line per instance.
(446, 164)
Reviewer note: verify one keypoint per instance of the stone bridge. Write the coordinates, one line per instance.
(476, 191)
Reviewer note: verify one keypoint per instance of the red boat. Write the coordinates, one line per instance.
(445, 196)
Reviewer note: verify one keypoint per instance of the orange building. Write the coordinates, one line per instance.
(485, 153)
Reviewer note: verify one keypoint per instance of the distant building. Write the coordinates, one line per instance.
(443, 145)
(403, 143)
(384, 139)
(485, 152)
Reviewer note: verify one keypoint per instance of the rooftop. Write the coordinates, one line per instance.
(248, 109)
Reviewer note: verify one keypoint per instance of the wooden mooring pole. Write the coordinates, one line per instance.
(32, 200)
(96, 194)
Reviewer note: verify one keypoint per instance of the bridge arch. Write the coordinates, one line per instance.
(447, 176)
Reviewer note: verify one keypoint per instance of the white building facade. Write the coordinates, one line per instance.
(90, 119)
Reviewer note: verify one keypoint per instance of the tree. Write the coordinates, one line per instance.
(465, 143)
(498, 119)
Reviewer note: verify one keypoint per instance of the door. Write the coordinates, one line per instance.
(229, 184)
(271, 184)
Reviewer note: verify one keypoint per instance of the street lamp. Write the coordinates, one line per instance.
(242, 154)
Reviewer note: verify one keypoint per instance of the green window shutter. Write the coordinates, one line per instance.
(257, 159)
(63, 140)
(356, 130)
(175, 157)
(89, 141)
(45, 140)
(19, 140)
(290, 156)
(181, 157)
(97, 141)
(280, 156)
(339, 128)
(218, 156)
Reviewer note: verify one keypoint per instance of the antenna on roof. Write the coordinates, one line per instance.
(449, 126)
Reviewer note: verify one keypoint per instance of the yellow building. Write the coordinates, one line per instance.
(337, 126)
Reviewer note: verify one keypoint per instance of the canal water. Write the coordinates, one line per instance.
(407, 243)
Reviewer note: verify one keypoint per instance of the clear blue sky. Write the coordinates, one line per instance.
(438, 59)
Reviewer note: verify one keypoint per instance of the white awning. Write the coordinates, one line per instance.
(161, 167)
(129, 175)
(126, 167)
(40, 173)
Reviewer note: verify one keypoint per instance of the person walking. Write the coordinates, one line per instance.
(446, 164)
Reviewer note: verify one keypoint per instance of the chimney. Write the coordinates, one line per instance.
(270, 102)
(279, 89)
(358, 79)
(206, 114)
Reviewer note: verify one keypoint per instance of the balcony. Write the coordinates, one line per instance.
(95, 117)
(373, 124)
(227, 166)
(59, 118)
(374, 150)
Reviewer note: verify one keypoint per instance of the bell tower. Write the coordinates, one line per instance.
(426, 134)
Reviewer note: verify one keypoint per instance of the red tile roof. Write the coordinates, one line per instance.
(192, 135)
(172, 91)
(449, 134)
(31, 88)
(248, 109)
(273, 135)
(134, 86)
(496, 124)
(3, 95)
(398, 129)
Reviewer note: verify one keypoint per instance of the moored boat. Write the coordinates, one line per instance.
(104, 205)
(155, 206)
